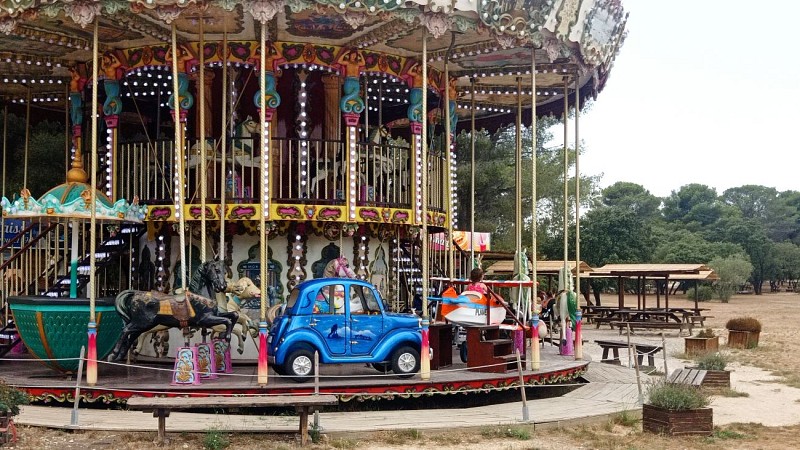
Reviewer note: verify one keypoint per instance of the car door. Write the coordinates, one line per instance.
(328, 318)
(366, 320)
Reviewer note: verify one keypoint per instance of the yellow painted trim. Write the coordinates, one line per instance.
(43, 335)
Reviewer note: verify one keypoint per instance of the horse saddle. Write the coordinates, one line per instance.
(179, 307)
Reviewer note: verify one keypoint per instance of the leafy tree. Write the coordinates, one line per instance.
(733, 272)
(632, 196)
(614, 235)
(45, 156)
(751, 236)
(787, 263)
(495, 192)
(766, 205)
(696, 206)
(685, 247)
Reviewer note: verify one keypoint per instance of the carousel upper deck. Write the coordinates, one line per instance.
(358, 100)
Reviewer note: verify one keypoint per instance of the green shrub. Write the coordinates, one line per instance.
(712, 361)
(707, 333)
(677, 397)
(11, 398)
(704, 293)
(744, 324)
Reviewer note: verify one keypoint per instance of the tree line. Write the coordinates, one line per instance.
(749, 233)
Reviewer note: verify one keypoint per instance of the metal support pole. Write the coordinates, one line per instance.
(74, 416)
(525, 414)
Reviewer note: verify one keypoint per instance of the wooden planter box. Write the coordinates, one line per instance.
(699, 346)
(717, 379)
(743, 339)
(696, 422)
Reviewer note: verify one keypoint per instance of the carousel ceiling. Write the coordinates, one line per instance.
(488, 43)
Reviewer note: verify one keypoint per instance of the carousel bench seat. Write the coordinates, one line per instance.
(161, 406)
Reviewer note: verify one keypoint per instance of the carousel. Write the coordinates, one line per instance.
(260, 143)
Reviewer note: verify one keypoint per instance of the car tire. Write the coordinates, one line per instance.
(382, 367)
(299, 365)
(405, 362)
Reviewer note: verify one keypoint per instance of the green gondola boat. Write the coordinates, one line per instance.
(55, 328)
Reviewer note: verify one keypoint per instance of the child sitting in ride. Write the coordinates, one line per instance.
(477, 285)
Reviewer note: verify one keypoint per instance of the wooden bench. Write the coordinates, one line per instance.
(641, 351)
(653, 325)
(161, 406)
(697, 318)
(692, 377)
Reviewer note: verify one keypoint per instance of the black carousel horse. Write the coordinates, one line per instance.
(141, 311)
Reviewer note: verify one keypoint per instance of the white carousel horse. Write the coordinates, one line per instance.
(242, 290)
(242, 142)
(521, 296)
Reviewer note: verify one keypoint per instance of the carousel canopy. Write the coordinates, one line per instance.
(71, 201)
(489, 42)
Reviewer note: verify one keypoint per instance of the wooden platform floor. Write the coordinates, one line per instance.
(121, 381)
(611, 390)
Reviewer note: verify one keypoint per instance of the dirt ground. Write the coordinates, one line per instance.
(777, 353)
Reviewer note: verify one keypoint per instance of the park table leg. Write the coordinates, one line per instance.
(162, 415)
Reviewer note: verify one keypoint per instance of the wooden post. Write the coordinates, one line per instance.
(664, 354)
(525, 415)
(74, 418)
(636, 365)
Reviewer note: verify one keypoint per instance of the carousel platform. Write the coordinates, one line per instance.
(117, 382)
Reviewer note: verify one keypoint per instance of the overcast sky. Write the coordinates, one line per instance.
(703, 91)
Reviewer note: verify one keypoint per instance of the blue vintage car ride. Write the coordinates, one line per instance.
(346, 321)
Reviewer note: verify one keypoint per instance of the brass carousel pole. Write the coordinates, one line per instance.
(579, 315)
(179, 178)
(224, 144)
(203, 155)
(518, 203)
(91, 357)
(472, 177)
(263, 369)
(450, 248)
(2, 220)
(567, 274)
(27, 136)
(425, 362)
(534, 360)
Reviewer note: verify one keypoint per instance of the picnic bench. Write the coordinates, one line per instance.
(692, 377)
(652, 325)
(161, 406)
(641, 351)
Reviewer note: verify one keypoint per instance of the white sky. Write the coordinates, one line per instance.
(703, 91)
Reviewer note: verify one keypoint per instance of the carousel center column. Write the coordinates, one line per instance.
(351, 63)
(76, 174)
(111, 71)
(414, 79)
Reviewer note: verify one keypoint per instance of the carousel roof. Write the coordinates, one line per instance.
(489, 41)
(71, 200)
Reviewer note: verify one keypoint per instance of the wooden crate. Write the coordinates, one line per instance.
(697, 422)
(699, 346)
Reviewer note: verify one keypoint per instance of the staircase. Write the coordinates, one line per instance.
(8, 338)
(107, 252)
